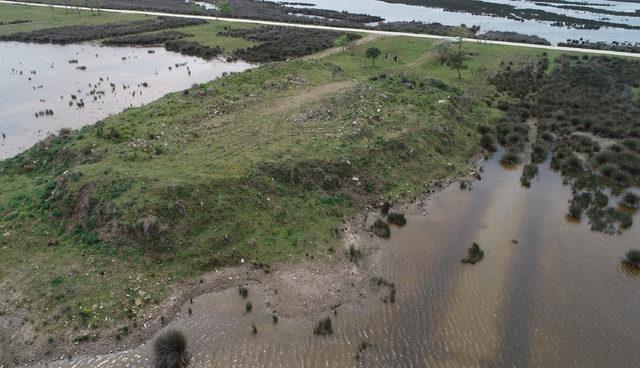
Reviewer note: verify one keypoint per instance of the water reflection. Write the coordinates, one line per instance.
(82, 84)
(401, 12)
(546, 294)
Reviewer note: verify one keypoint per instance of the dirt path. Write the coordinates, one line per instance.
(319, 55)
(300, 98)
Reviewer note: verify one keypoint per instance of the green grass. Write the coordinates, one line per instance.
(207, 34)
(42, 17)
(235, 169)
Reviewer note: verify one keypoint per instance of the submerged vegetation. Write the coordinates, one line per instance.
(587, 114)
(633, 257)
(474, 254)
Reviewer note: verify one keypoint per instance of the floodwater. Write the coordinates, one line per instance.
(401, 12)
(548, 293)
(37, 77)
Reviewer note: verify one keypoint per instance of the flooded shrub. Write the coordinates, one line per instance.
(384, 210)
(397, 218)
(633, 257)
(630, 200)
(474, 255)
(529, 172)
(575, 210)
(488, 142)
(600, 199)
(170, 350)
(381, 228)
(510, 157)
(243, 291)
(323, 327)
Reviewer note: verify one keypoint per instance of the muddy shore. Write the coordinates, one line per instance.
(304, 291)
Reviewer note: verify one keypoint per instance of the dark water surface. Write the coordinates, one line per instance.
(549, 293)
(23, 94)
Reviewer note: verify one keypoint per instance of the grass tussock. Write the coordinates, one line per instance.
(474, 254)
(170, 350)
(323, 327)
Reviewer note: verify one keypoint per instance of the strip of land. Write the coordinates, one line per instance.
(341, 29)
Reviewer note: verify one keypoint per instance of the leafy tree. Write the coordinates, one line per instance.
(453, 57)
(372, 53)
(456, 59)
(441, 51)
(224, 7)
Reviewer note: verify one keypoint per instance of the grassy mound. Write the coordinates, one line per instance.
(264, 166)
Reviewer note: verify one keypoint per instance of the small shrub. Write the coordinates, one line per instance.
(397, 218)
(170, 350)
(528, 173)
(323, 327)
(488, 142)
(475, 254)
(243, 291)
(633, 257)
(381, 228)
(575, 210)
(630, 200)
(248, 307)
(600, 199)
(384, 210)
(510, 157)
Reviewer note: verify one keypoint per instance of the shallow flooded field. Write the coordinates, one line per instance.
(400, 12)
(548, 293)
(75, 85)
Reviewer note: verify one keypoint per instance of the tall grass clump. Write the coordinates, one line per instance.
(633, 257)
(170, 350)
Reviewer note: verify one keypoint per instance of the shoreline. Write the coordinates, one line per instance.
(306, 299)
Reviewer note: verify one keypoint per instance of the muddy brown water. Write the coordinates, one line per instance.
(549, 293)
(35, 77)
